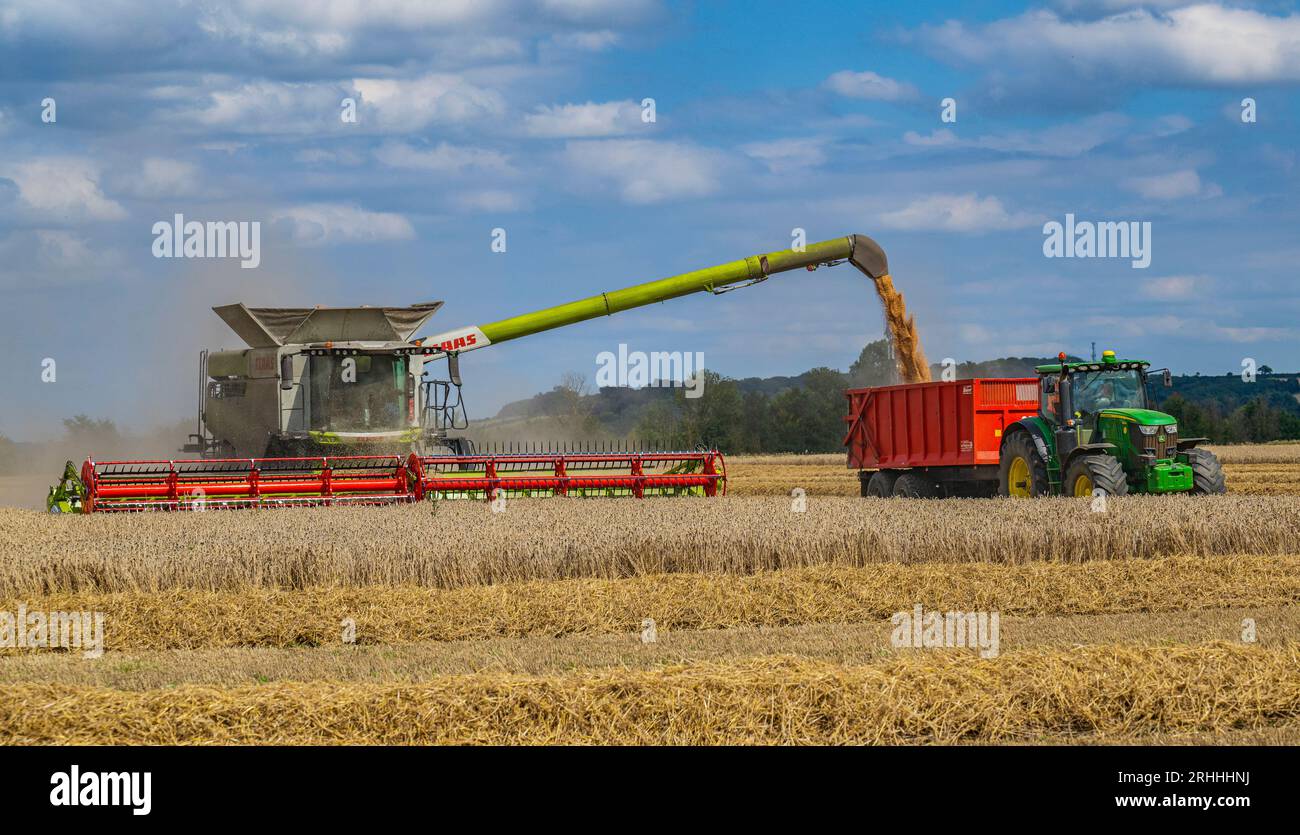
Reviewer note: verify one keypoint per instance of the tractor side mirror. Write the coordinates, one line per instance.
(1168, 378)
(453, 368)
(286, 372)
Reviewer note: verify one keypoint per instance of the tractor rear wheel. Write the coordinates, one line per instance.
(1095, 472)
(1022, 473)
(880, 485)
(1207, 473)
(914, 486)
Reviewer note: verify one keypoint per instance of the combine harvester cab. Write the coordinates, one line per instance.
(1078, 429)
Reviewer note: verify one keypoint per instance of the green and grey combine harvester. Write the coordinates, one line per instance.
(338, 406)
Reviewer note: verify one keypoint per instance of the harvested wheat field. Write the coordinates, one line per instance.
(1162, 619)
(259, 617)
(1103, 691)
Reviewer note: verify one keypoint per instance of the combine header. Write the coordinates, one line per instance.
(228, 483)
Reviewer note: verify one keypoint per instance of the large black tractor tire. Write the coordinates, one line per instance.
(1095, 472)
(880, 485)
(915, 486)
(1207, 472)
(1031, 478)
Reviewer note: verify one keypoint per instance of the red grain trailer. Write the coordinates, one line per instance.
(934, 439)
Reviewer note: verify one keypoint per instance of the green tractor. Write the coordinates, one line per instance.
(1095, 432)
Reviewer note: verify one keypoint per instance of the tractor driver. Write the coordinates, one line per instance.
(1105, 396)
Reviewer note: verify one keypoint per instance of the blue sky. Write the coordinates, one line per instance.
(527, 116)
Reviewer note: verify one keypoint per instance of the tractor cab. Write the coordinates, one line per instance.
(1096, 430)
(1076, 395)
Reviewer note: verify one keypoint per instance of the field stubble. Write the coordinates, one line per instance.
(1099, 691)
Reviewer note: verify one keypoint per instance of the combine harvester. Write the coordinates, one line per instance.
(332, 406)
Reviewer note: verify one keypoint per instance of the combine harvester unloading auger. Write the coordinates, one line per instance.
(332, 406)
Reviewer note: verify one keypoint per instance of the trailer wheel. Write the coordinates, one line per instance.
(1022, 472)
(1207, 472)
(913, 486)
(1095, 472)
(880, 485)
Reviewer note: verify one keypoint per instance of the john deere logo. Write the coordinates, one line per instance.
(1160, 438)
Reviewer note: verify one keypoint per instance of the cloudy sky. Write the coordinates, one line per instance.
(528, 116)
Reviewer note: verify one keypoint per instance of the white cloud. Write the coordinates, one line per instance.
(1172, 186)
(595, 41)
(443, 157)
(603, 11)
(1069, 139)
(489, 200)
(333, 223)
(322, 156)
(1139, 327)
(383, 105)
(1198, 44)
(260, 106)
(52, 257)
(223, 147)
(612, 118)
(1176, 287)
(782, 156)
(438, 98)
(66, 188)
(62, 251)
(647, 171)
(956, 213)
(160, 177)
(869, 85)
(934, 139)
(346, 15)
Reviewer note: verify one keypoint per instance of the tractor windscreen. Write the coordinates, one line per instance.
(363, 393)
(1092, 391)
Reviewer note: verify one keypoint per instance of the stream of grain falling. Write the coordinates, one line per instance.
(908, 355)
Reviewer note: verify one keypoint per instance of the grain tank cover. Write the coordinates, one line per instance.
(268, 327)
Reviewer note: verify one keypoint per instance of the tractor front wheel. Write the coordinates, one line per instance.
(1207, 472)
(1095, 472)
(1022, 472)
